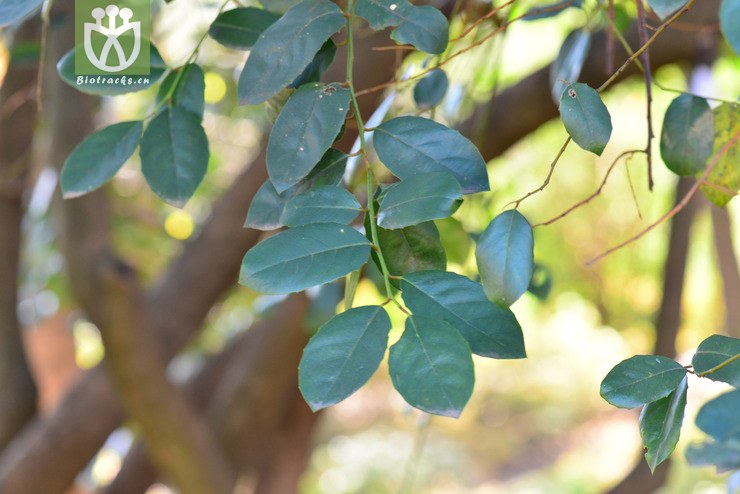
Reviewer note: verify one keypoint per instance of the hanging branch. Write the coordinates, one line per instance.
(645, 58)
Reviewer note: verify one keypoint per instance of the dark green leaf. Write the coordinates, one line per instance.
(323, 306)
(99, 157)
(720, 418)
(505, 257)
(431, 89)
(567, 66)
(286, 48)
(410, 249)
(303, 257)
(640, 380)
(716, 350)
(174, 155)
(726, 173)
(664, 8)
(550, 10)
(111, 85)
(189, 93)
(688, 135)
(660, 425)
(409, 146)
(724, 456)
(423, 197)
(729, 21)
(343, 355)
(14, 11)
(489, 330)
(304, 131)
(541, 282)
(239, 28)
(325, 204)
(431, 367)
(585, 117)
(317, 67)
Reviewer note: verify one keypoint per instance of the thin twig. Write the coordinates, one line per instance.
(610, 39)
(547, 179)
(642, 35)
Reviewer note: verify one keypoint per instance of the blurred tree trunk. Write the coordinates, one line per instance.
(728, 268)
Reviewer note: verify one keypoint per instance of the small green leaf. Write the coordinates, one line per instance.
(14, 11)
(729, 21)
(320, 64)
(724, 456)
(303, 257)
(431, 89)
(99, 157)
(688, 135)
(423, 197)
(660, 425)
(431, 367)
(726, 173)
(190, 90)
(456, 241)
(174, 155)
(343, 355)
(720, 418)
(550, 10)
(325, 204)
(286, 48)
(716, 350)
(567, 66)
(585, 117)
(640, 380)
(410, 249)
(304, 131)
(664, 8)
(409, 146)
(505, 257)
(541, 282)
(240, 28)
(489, 330)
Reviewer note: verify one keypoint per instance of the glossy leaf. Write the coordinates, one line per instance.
(99, 157)
(640, 380)
(326, 204)
(286, 48)
(660, 425)
(343, 355)
(567, 66)
(716, 350)
(304, 131)
(409, 146)
(190, 90)
(688, 135)
(664, 8)
(431, 89)
(303, 257)
(550, 10)
(726, 173)
(241, 27)
(320, 64)
(505, 257)
(720, 418)
(174, 155)
(431, 367)
(410, 249)
(585, 117)
(14, 11)
(489, 330)
(729, 21)
(423, 197)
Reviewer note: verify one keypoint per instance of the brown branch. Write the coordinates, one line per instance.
(542, 187)
(645, 58)
(728, 268)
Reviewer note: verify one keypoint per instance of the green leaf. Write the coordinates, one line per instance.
(664, 8)
(456, 241)
(541, 282)
(268, 205)
(240, 28)
(190, 90)
(660, 425)
(410, 249)
(724, 456)
(715, 350)
(100, 86)
(303, 257)
(726, 173)
(326, 204)
(14, 11)
(688, 135)
(423, 197)
(174, 155)
(304, 131)
(320, 64)
(431, 367)
(286, 48)
(409, 146)
(720, 418)
(431, 89)
(585, 117)
(550, 10)
(343, 355)
(489, 330)
(567, 66)
(505, 257)
(640, 380)
(423, 27)
(729, 21)
(99, 157)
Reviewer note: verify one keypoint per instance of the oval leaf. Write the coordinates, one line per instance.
(410, 249)
(505, 257)
(489, 330)
(303, 257)
(550, 10)
(716, 350)
(99, 157)
(190, 90)
(241, 27)
(431, 367)
(304, 130)
(13, 11)
(343, 355)
(284, 50)
(327, 204)
(431, 90)
(660, 425)
(567, 66)
(409, 146)
(688, 135)
(729, 22)
(664, 8)
(724, 456)
(423, 197)
(640, 380)
(174, 155)
(726, 173)
(720, 418)
(585, 117)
